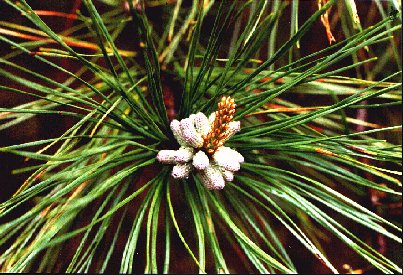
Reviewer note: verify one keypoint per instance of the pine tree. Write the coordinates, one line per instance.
(209, 143)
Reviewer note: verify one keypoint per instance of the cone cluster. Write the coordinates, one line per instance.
(201, 141)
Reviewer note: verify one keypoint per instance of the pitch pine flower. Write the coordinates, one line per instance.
(234, 127)
(228, 175)
(189, 133)
(227, 159)
(176, 130)
(201, 160)
(166, 156)
(202, 124)
(201, 141)
(212, 177)
(181, 171)
(219, 131)
(184, 154)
